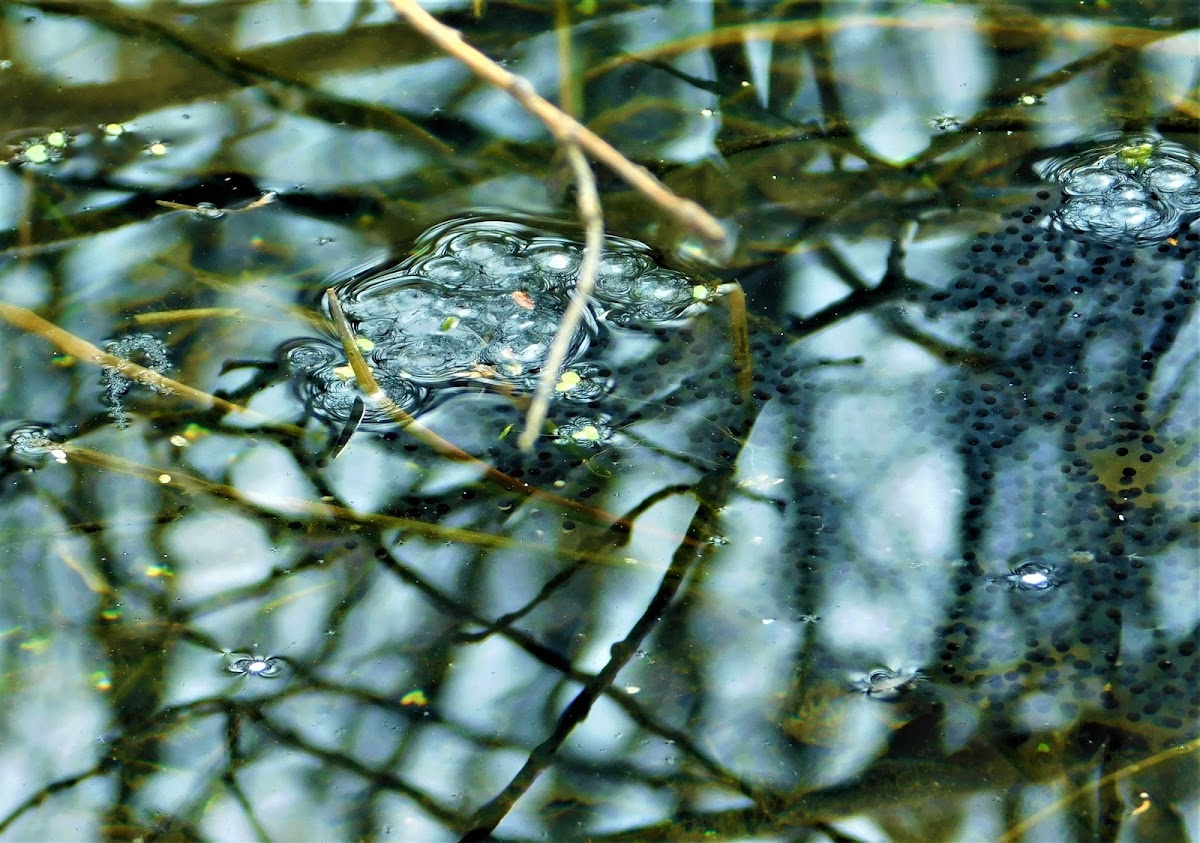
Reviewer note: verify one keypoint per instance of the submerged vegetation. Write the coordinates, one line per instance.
(876, 521)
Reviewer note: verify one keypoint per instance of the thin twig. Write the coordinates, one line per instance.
(281, 506)
(564, 128)
(739, 339)
(590, 214)
(1018, 831)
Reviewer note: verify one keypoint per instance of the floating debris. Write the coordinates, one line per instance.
(27, 445)
(887, 685)
(946, 123)
(584, 432)
(208, 211)
(41, 151)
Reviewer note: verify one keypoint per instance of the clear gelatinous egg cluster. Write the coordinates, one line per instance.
(1131, 191)
(478, 303)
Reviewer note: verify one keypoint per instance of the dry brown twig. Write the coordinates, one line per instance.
(588, 200)
(565, 129)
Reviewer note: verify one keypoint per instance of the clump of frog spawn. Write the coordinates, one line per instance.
(478, 304)
(1133, 190)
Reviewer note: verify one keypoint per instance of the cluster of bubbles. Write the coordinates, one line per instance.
(27, 445)
(252, 664)
(1032, 576)
(887, 685)
(478, 304)
(147, 351)
(1129, 191)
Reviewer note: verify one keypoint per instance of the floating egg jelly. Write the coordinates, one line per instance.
(1133, 190)
(478, 304)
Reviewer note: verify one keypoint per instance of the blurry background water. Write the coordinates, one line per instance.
(923, 566)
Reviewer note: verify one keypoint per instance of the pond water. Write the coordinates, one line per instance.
(878, 523)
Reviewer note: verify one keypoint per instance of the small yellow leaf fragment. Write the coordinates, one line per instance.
(567, 381)
(194, 432)
(346, 373)
(587, 433)
(364, 344)
(1137, 155)
(159, 571)
(37, 646)
(416, 697)
(700, 292)
(36, 153)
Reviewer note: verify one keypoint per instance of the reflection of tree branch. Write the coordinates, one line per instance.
(378, 778)
(1017, 832)
(40, 796)
(485, 820)
(319, 104)
(555, 661)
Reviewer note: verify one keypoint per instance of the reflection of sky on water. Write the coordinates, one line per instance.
(869, 529)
